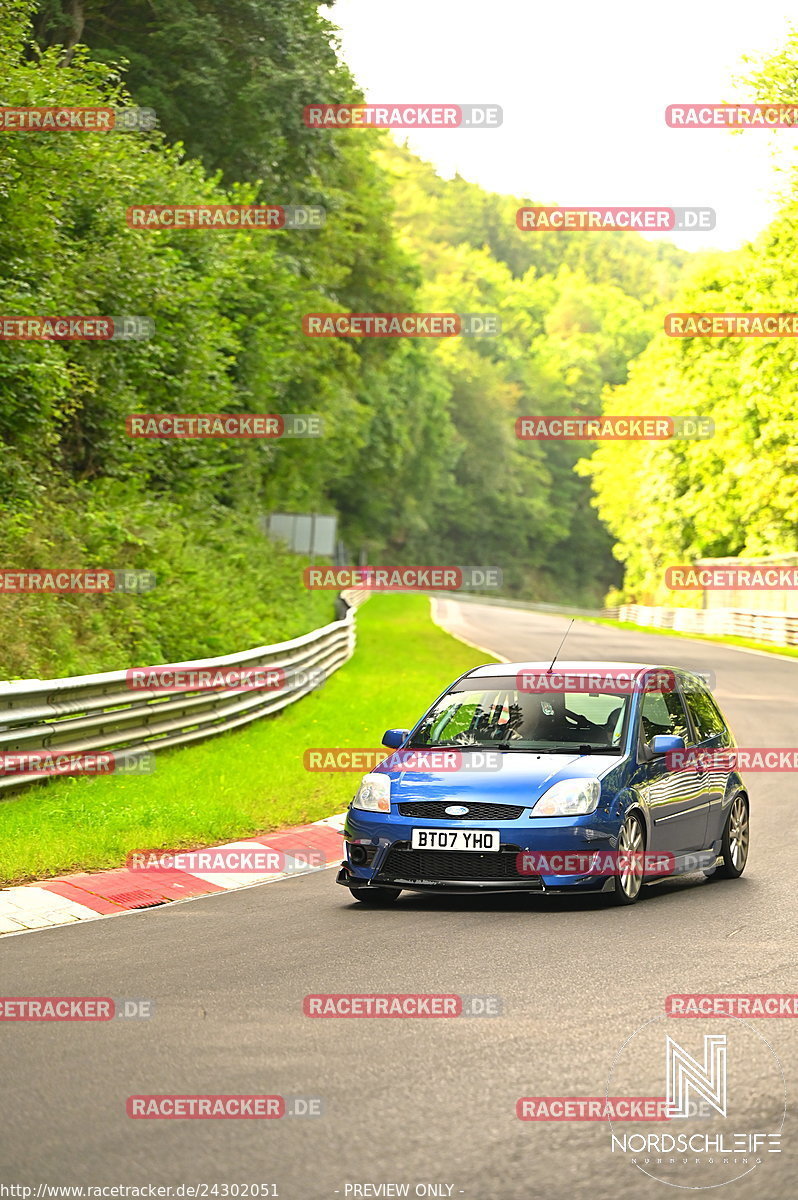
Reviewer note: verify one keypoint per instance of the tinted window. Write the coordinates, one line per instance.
(704, 712)
(602, 708)
(663, 713)
(492, 711)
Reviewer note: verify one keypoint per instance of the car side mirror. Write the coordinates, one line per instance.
(664, 743)
(393, 738)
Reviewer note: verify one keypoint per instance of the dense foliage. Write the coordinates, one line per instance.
(736, 493)
(420, 460)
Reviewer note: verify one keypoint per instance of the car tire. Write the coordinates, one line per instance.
(629, 884)
(734, 845)
(376, 896)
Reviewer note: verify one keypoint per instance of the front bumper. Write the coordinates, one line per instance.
(381, 844)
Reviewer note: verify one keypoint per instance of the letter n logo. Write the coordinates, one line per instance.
(685, 1074)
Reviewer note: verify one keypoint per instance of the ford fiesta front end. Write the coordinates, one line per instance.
(563, 786)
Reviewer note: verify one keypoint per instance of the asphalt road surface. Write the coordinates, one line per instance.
(423, 1104)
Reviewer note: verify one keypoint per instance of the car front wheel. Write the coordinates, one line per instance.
(631, 844)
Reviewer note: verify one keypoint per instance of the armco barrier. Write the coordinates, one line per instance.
(780, 629)
(556, 610)
(90, 713)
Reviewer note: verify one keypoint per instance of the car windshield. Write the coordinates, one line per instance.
(494, 714)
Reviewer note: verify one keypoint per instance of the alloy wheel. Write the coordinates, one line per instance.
(738, 833)
(630, 848)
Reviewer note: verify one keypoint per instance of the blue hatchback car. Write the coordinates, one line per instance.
(588, 777)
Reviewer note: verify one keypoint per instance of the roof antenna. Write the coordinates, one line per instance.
(562, 643)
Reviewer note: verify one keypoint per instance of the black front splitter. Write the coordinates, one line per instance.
(466, 887)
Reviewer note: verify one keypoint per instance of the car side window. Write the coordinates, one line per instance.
(663, 713)
(705, 714)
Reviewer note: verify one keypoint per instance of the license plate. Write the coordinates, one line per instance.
(455, 839)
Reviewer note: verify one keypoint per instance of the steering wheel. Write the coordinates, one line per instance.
(504, 733)
(579, 721)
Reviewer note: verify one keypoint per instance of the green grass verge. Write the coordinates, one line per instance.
(745, 643)
(246, 782)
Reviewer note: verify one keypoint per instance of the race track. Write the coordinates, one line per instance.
(407, 1101)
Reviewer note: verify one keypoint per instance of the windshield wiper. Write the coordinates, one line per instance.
(584, 748)
(563, 748)
(450, 746)
(516, 749)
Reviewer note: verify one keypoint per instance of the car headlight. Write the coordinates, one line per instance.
(374, 794)
(569, 798)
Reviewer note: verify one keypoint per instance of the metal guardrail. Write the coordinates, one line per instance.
(92, 713)
(780, 629)
(502, 602)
